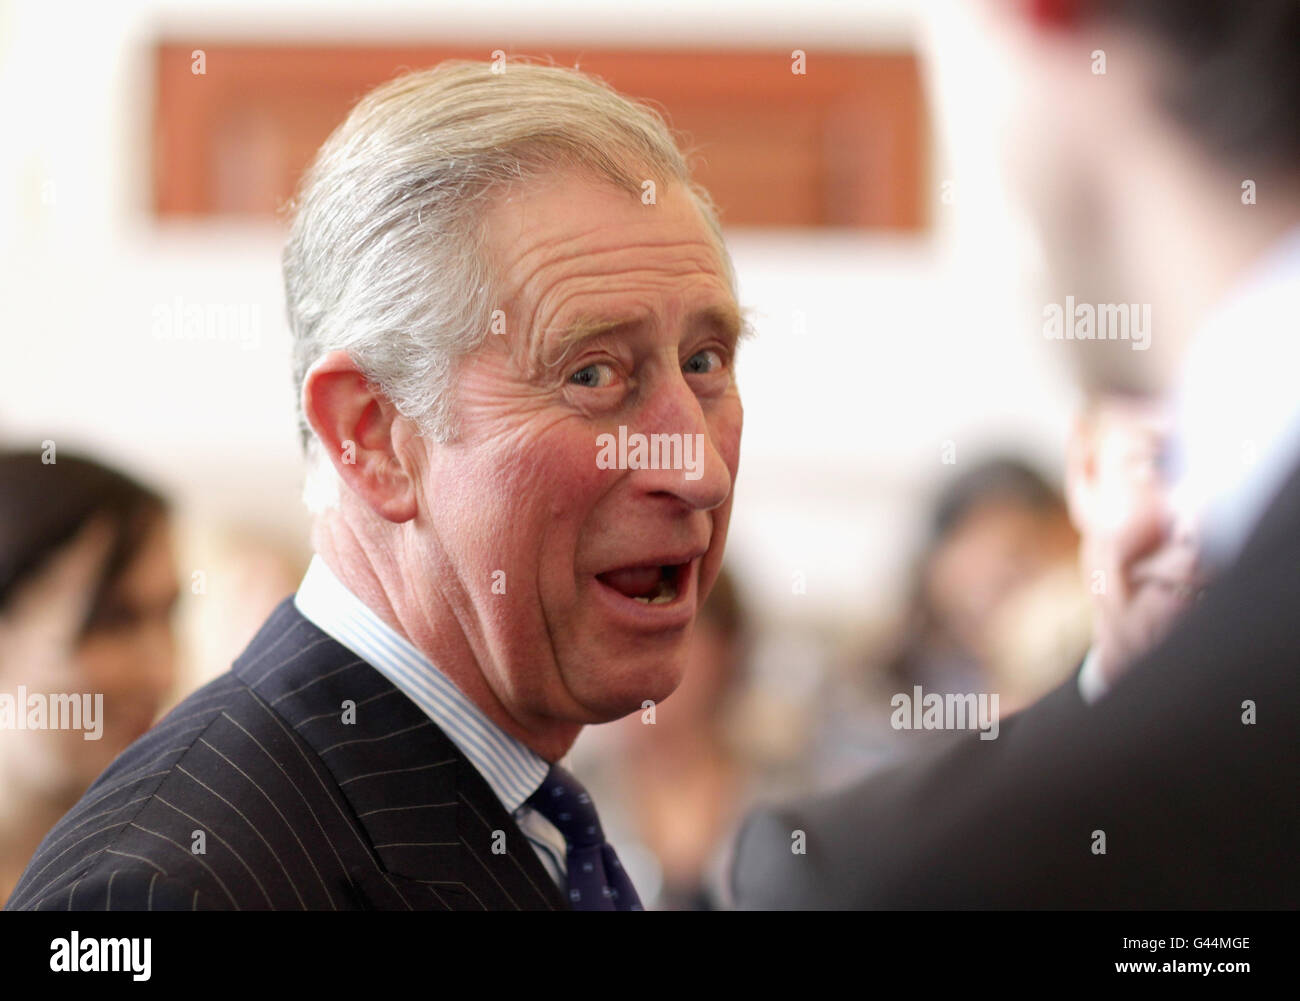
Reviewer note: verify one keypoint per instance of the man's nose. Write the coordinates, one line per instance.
(680, 441)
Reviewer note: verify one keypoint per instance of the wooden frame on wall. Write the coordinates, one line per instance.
(841, 145)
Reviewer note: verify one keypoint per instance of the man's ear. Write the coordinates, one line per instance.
(359, 428)
(1081, 471)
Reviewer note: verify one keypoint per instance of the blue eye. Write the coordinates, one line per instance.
(710, 359)
(589, 376)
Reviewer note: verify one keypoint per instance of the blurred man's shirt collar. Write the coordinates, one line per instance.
(1238, 402)
(1092, 683)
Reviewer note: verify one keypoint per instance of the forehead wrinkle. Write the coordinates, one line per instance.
(545, 242)
(550, 244)
(594, 281)
(706, 263)
(653, 218)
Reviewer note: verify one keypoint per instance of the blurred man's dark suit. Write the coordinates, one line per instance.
(298, 809)
(1199, 809)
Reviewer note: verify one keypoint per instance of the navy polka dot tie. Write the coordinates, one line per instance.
(597, 881)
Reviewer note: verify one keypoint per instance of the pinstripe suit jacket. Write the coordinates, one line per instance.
(294, 808)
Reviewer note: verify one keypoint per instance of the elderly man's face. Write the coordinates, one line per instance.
(617, 315)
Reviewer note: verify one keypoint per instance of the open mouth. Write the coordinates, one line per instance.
(654, 585)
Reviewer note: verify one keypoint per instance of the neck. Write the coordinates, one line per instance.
(442, 628)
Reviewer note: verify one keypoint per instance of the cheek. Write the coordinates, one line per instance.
(531, 502)
(137, 663)
(725, 429)
(1118, 522)
(1141, 532)
(105, 662)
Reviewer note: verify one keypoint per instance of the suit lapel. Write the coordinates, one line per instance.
(430, 817)
(496, 846)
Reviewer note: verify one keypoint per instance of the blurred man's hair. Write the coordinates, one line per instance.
(1235, 85)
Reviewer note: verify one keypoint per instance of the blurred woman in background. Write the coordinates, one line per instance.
(996, 530)
(87, 588)
(993, 605)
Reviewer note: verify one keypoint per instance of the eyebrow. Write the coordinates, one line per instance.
(727, 318)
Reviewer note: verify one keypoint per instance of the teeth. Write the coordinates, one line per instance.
(663, 594)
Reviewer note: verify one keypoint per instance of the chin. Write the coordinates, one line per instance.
(622, 685)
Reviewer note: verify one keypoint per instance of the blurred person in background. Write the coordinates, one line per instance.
(994, 606)
(1140, 550)
(997, 529)
(673, 781)
(87, 589)
(1171, 181)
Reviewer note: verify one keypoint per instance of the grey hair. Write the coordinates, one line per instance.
(386, 258)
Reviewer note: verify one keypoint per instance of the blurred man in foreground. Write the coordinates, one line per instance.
(1178, 787)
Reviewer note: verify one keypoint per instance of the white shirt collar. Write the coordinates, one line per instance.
(1092, 685)
(1238, 402)
(512, 770)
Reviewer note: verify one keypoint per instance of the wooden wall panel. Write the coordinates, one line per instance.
(843, 145)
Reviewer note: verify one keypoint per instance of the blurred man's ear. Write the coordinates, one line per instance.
(361, 432)
(1081, 469)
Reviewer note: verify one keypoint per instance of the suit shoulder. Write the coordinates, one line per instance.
(175, 732)
(120, 885)
(102, 825)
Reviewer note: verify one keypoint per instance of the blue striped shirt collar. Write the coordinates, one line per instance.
(512, 770)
